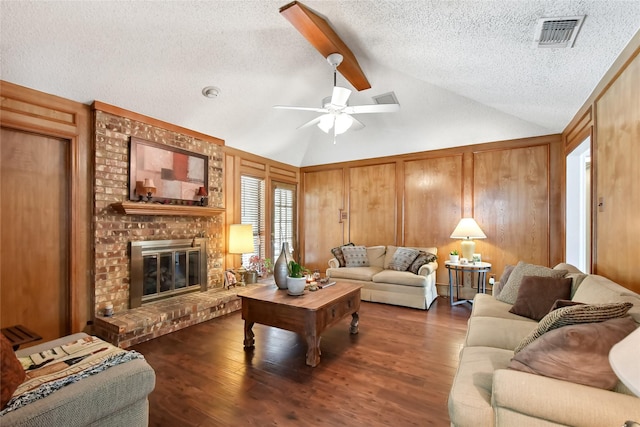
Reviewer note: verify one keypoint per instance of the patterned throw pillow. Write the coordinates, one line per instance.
(403, 258)
(509, 293)
(574, 315)
(355, 256)
(497, 288)
(337, 253)
(422, 259)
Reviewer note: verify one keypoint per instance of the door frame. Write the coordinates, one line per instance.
(28, 110)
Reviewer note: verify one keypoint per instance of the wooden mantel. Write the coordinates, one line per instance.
(137, 208)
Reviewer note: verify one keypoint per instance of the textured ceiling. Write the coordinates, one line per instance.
(464, 72)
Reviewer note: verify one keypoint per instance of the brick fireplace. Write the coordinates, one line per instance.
(114, 231)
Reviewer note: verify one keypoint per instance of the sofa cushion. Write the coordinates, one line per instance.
(470, 396)
(376, 255)
(354, 273)
(576, 353)
(573, 315)
(403, 258)
(388, 256)
(337, 253)
(11, 371)
(355, 256)
(405, 278)
(422, 259)
(537, 295)
(509, 292)
(498, 332)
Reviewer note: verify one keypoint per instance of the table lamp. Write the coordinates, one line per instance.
(241, 242)
(624, 358)
(468, 229)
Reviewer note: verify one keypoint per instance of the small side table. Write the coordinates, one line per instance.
(481, 268)
(18, 335)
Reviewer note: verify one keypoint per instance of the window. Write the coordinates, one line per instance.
(252, 211)
(284, 217)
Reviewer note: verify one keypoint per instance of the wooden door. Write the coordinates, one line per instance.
(34, 229)
(321, 223)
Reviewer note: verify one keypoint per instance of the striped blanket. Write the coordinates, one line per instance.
(55, 368)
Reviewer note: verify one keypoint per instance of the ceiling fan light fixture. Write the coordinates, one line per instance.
(343, 123)
(326, 123)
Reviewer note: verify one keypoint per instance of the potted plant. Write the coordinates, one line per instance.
(454, 256)
(258, 267)
(296, 279)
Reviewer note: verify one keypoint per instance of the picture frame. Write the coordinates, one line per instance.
(178, 176)
(230, 278)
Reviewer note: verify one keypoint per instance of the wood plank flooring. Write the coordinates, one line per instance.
(396, 372)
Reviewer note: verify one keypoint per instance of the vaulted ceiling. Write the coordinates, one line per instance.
(464, 72)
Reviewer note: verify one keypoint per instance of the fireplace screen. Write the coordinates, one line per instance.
(163, 268)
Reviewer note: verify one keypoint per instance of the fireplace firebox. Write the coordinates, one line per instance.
(164, 268)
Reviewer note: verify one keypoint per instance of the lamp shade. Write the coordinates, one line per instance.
(241, 239)
(623, 359)
(468, 228)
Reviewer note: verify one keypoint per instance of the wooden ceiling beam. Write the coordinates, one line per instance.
(319, 33)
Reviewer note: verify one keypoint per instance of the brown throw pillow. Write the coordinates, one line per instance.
(574, 315)
(11, 371)
(538, 294)
(422, 259)
(576, 353)
(564, 303)
(509, 292)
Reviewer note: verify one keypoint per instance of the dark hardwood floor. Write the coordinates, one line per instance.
(396, 372)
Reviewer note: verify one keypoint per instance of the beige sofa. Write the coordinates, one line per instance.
(380, 284)
(485, 393)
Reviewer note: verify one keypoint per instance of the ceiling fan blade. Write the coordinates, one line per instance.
(315, 109)
(374, 108)
(319, 33)
(310, 123)
(340, 96)
(356, 125)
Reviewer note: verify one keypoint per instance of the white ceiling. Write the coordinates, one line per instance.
(464, 72)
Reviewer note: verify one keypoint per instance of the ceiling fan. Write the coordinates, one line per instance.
(337, 114)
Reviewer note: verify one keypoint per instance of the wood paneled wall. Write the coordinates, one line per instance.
(33, 111)
(611, 117)
(511, 188)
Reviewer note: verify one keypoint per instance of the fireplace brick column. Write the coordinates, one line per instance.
(113, 231)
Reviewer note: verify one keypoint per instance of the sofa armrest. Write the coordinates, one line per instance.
(520, 394)
(428, 268)
(333, 263)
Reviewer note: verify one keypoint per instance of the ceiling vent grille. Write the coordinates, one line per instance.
(386, 98)
(557, 32)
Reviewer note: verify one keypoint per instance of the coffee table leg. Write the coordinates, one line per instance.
(313, 350)
(355, 319)
(248, 334)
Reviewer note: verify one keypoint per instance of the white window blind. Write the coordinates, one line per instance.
(252, 209)
(284, 217)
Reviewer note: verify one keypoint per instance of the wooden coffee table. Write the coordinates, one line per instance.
(308, 314)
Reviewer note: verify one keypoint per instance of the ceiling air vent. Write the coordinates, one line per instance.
(557, 32)
(386, 98)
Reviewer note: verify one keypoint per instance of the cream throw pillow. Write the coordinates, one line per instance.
(509, 293)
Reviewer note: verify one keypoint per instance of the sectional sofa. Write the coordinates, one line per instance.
(491, 389)
(382, 284)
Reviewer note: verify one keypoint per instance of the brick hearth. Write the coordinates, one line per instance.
(130, 327)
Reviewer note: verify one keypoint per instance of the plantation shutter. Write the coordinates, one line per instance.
(284, 217)
(252, 211)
